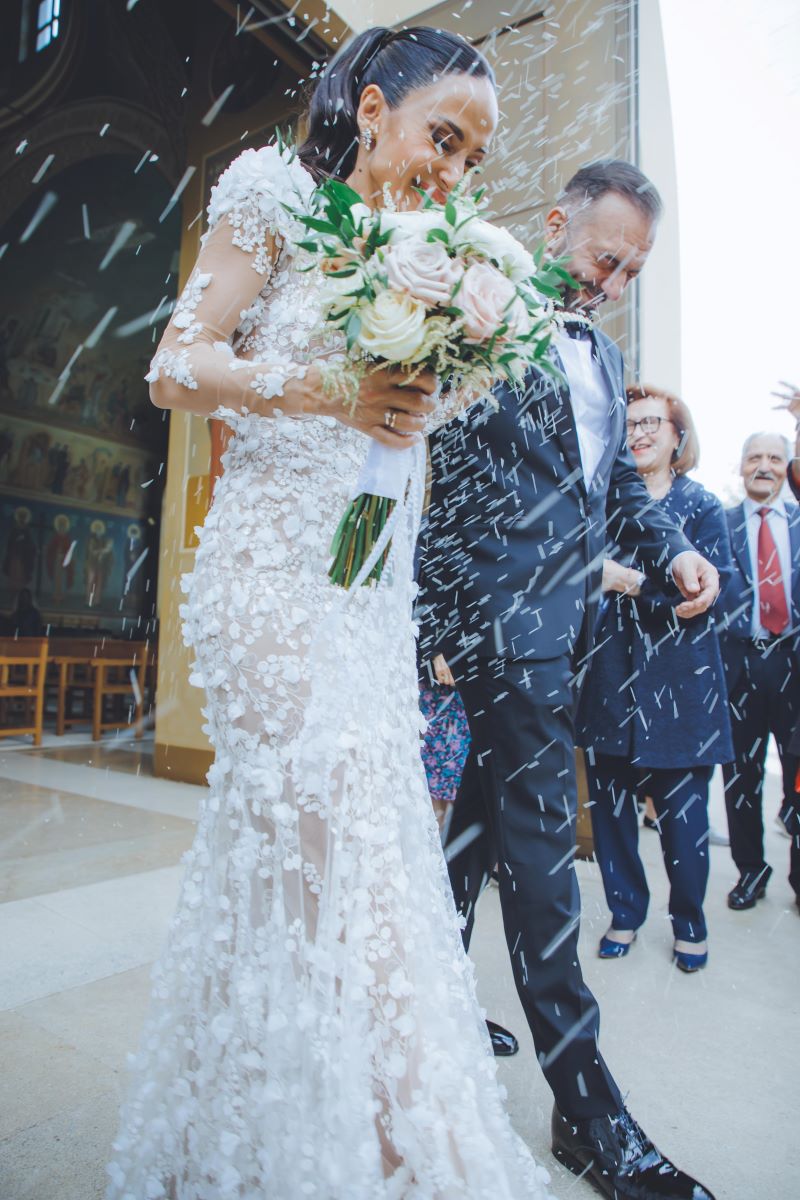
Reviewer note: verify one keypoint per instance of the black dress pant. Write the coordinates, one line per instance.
(764, 700)
(517, 807)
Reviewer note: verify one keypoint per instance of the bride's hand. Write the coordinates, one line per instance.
(389, 409)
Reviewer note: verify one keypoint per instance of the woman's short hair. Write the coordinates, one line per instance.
(399, 61)
(687, 454)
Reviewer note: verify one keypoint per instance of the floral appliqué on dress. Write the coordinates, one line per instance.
(314, 1031)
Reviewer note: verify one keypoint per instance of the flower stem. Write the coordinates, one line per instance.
(361, 525)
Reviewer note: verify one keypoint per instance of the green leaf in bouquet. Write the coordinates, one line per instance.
(438, 235)
(538, 254)
(565, 276)
(342, 273)
(352, 329)
(450, 212)
(319, 225)
(342, 192)
(548, 290)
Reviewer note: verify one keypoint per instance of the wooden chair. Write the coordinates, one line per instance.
(120, 670)
(73, 679)
(23, 667)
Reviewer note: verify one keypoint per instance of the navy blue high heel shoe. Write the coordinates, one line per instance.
(608, 948)
(689, 963)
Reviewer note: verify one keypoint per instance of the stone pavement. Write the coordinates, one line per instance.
(89, 853)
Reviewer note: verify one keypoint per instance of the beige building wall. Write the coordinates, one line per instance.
(564, 71)
(660, 298)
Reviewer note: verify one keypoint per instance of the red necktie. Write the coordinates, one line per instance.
(771, 592)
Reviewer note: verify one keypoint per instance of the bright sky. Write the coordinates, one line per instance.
(734, 78)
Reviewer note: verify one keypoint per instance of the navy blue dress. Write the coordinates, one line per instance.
(655, 694)
(653, 719)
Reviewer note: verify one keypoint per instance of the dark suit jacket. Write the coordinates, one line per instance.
(512, 551)
(655, 693)
(735, 610)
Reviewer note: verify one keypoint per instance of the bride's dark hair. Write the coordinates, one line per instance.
(399, 61)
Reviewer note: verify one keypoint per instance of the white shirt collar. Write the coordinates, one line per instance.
(751, 506)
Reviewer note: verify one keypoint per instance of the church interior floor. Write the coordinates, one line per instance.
(90, 844)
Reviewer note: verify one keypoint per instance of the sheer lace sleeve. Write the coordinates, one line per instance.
(247, 245)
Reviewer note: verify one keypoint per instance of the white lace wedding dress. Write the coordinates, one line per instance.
(313, 1030)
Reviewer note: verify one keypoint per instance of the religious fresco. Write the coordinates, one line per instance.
(76, 562)
(59, 462)
(86, 293)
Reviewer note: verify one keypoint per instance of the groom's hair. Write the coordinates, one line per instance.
(615, 175)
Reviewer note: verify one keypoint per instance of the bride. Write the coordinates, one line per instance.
(314, 1030)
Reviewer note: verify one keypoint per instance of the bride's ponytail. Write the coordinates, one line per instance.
(398, 61)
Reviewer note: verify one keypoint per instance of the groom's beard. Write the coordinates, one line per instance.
(585, 299)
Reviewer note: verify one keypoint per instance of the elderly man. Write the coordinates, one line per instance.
(511, 570)
(760, 639)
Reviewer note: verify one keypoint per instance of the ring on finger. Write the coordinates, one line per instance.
(390, 418)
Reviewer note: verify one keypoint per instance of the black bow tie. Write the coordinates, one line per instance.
(576, 327)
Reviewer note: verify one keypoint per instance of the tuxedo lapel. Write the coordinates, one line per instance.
(740, 544)
(617, 412)
(793, 514)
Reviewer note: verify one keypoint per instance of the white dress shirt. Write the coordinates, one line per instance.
(591, 402)
(778, 522)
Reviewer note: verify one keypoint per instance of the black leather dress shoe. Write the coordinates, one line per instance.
(504, 1043)
(752, 886)
(620, 1162)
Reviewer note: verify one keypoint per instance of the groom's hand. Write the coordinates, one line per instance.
(696, 579)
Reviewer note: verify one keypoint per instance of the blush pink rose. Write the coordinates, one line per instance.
(423, 270)
(488, 300)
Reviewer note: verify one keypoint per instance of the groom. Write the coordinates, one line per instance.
(524, 503)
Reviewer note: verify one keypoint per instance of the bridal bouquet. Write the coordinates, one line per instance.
(438, 289)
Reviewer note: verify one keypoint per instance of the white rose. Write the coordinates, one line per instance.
(338, 288)
(423, 269)
(495, 242)
(392, 326)
(417, 223)
(488, 300)
(360, 212)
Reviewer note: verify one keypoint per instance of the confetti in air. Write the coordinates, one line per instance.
(217, 106)
(123, 235)
(100, 328)
(176, 195)
(46, 205)
(134, 568)
(43, 169)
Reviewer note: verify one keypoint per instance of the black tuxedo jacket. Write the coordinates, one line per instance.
(511, 554)
(735, 608)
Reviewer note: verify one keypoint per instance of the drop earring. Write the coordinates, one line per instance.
(368, 137)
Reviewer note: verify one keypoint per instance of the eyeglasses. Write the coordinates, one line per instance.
(646, 424)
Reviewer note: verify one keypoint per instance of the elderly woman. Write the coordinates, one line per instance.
(654, 715)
